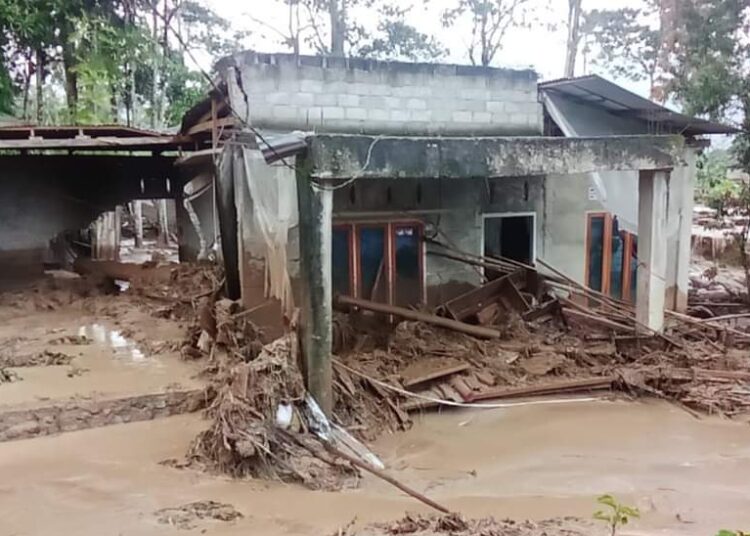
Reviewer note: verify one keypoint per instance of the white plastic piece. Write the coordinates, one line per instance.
(284, 414)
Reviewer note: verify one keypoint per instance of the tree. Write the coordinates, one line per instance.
(713, 187)
(574, 37)
(490, 21)
(711, 77)
(326, 27)
(628, 47)
(398, 39)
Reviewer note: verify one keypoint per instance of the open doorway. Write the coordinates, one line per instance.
(511, 236)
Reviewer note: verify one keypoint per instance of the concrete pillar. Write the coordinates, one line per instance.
(138, 221)
(163, 223)
(653, 199)
(685, 232)
(315, 227)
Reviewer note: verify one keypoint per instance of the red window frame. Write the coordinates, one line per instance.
(390, 227)
(607, 256)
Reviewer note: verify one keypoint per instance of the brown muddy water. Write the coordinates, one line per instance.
(688, 476)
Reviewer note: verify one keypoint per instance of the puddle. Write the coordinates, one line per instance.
(114, 339)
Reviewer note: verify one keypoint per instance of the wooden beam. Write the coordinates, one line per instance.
(208, 126)
(104, 142)
(477, 331)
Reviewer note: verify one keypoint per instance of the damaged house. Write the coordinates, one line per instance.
(391, 182)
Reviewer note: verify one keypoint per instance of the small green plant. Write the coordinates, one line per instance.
(725, 532)
(616, 514)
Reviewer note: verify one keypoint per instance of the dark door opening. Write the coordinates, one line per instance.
(511, 237)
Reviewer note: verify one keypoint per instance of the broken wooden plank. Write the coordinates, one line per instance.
(469, 303)
(511, 298)
(585, 317)
(476, 331)
(488, 315)
(421, 372)
(466, 392)
(568, 386)
(549, 307)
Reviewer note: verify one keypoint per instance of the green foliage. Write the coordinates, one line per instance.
(184, 89)
(615, 514)
(713, 187)
(102, 54)
(490, 21)
(398, 39)
(393, 37)
(725, 532)
(627, 46)
(711, 59)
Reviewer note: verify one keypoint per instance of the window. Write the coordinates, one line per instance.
(379, 261)
(611, 257)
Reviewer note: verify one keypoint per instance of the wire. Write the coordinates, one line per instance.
(440, 401)
(356, 175)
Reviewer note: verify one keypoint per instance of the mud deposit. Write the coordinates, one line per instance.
(189, 516)
(687, 476)
(455, 525)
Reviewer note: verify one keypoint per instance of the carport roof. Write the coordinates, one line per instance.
(88, 137)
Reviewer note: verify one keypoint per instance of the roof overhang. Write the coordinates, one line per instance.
(593, 90)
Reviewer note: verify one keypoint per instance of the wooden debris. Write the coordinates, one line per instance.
(477, 331)
(381, 474)
(561, 387)
(426, 370)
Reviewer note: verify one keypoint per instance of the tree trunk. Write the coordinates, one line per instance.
(338, 26)
(27, 89)
(71, 80)
(155, 70)
(40, 61)
(574, 26)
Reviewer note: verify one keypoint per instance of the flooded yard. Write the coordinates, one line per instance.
(687, 476)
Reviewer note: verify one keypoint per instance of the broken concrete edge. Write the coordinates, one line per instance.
(389, 157)
(72, 415)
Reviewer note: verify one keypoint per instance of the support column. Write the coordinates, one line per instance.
(138, 221)
(315, 228)
(684, 238)
(653, 199)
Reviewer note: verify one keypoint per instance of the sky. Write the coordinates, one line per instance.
(538, 47)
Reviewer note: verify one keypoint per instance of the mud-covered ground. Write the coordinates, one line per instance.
(687, 476)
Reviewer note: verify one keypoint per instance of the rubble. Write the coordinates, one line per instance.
(45, 358)
(456, 525)
(188, 516)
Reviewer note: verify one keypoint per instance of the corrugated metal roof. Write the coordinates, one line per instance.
(597, 91)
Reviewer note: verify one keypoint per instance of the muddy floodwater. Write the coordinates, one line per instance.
(688, 476)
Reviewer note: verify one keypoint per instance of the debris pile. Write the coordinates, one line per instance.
(45, 358)
(455, 525)
(519, 335)
(58, 290)
(525, 335)
(188, 516)
(177, 291)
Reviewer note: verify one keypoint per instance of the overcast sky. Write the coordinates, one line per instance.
(537, 47)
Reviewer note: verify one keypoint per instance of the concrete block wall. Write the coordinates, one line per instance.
(287, 92)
